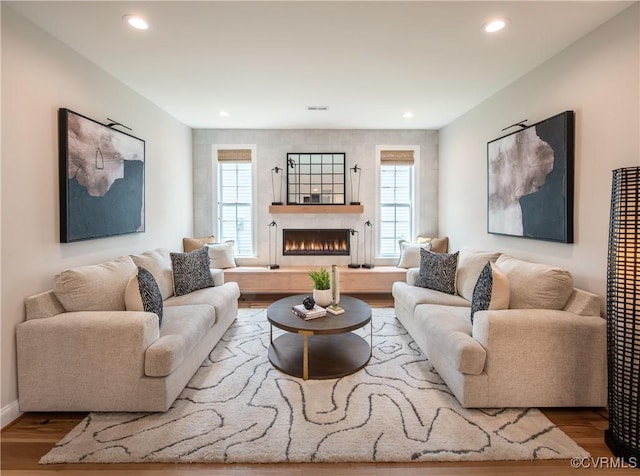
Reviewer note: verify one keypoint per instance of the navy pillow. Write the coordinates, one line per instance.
(438, 271)
(150, 293)
(191, 271)
(482, 291)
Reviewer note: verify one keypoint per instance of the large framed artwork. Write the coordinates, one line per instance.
(101, 179)
(530, 181)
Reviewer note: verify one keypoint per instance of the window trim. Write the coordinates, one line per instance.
(215, 198)
(415, 198)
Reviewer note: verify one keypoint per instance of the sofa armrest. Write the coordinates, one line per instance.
(64, 361)
(533, 327)
(547, 349)
(218, 276)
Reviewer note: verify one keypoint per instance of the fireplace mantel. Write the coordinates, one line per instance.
(273, 209)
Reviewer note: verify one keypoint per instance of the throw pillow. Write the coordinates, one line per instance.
(143, 294)
(470, 264)
(191, 271)
(221, 255)
(438, 271)
(410, 254)
(536, 286)
(491, 290)
(96, 287)
(158, 263)
(438, 245)
(192, 244)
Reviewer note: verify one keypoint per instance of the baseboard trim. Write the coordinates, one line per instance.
(9, 413)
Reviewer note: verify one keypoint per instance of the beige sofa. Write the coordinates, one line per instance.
(548, 349)
(80, 349)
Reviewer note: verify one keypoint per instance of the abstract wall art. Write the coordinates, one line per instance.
(101, 173)
(530, 181)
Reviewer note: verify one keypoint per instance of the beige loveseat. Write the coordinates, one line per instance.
(548, 349)
(81, 350)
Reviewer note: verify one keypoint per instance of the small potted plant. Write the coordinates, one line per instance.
(321, 286)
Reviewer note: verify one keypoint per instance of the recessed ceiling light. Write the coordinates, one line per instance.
(136, 22)
(408, 115)
(223, 114)
(495, 25)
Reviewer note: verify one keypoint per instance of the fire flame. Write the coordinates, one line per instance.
(315, 245)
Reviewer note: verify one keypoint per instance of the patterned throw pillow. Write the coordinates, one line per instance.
(191, 271)
(150, 293)
(438, 271)
(491, 290)
(143, 293)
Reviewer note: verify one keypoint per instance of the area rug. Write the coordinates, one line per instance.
(239, 409)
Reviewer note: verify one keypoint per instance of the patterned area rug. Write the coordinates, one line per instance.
(238, 409)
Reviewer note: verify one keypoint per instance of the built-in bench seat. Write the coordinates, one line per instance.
(295, 279)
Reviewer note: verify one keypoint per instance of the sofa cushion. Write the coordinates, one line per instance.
(192, 244)
(491, 290)
(536, 286)
(158, 263)
(410, 254)
(143, 294)
(470, 264)
(98, 287)
(191, 271)
(438, 245)
(183, 328)
(221, 255)
(218, 296)
(448, 330)
(438, 271)
(411, 296)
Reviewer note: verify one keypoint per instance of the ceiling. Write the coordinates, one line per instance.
(369, 62)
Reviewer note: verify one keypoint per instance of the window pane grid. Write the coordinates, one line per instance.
(235, 206)
(396, 208)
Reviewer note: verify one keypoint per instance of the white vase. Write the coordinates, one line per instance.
(322, 297)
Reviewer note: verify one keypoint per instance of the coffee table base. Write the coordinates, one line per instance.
(329, 356)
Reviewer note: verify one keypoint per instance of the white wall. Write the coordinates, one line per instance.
(272, 147)
(40, 75)
(598, 78)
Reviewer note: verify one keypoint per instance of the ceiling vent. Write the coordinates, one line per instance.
(317, 108)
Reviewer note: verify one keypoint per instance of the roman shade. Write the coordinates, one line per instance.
(234, 155)
(396, 157)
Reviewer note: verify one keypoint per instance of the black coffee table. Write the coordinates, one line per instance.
(321, 348)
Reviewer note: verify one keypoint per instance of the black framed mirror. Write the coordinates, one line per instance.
(316, 178)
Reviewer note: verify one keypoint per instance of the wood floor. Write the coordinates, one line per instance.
(26, 440)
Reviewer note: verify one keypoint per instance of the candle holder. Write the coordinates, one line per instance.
(275, 265)
(276, 186)
(335, 291)
(368, 226)
(354, 176)
(357, 263)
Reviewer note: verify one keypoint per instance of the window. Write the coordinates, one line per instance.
(396, 214)
(235, 199)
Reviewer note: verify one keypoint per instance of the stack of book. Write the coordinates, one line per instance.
(306, 314)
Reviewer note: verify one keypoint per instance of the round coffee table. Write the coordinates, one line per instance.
(320, 348)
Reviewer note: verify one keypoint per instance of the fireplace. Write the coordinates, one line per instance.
(315, 242)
